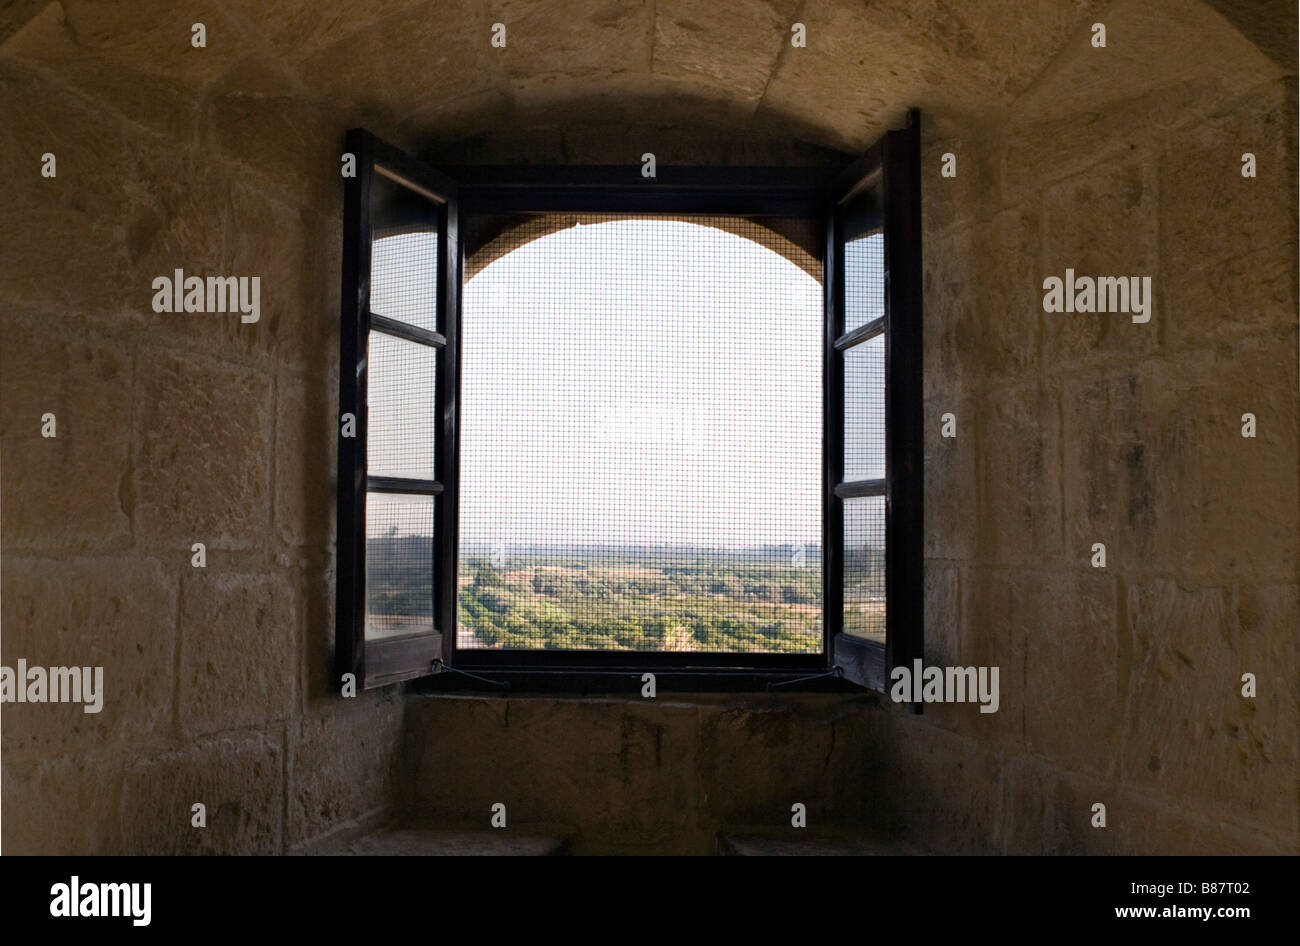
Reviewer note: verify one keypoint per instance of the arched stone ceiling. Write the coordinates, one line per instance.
(586, 80)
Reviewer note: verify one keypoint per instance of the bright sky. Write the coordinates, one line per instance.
(635, 381)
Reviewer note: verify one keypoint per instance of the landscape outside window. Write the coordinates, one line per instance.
(641, 435)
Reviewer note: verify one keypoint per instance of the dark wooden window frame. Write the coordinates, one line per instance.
(891, 168)
(384, 661)
(890, 172)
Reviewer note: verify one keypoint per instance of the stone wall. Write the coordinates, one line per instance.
(632, 776)
(1118, 686)
(172, 429)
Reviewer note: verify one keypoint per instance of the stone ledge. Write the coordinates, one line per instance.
(446, 842)
(754, 845)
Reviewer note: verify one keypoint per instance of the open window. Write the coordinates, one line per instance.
(397, 400)
(609, 424)
(875, 454)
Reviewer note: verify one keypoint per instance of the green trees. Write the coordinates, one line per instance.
(603, 604)
(728, 586)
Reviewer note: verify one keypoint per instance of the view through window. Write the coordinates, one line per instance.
(641, 436)
(641, 440)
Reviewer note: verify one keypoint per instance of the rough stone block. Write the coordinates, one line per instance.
(951, 203)
(1219, 302)
(633, 777)
(155, 40)
(239, 644)
(239, 779)
(943, 792)
(1209, 212)
(951, 480)
(404, 56)
(1076, 665)
(482, 127)
(1243, 493)
(680, 117)
(757, 760)
(291, 143)
(65, 805)
(207, 219)
(295, 32)
(1010, 41)
(571, 38)
(999, 613)
(687, 34)
(808, 85)
(1007, 284)
(307, 434)
(426, 842)
(1113, 494)
(203, 452)
(942, 614)
(1019, 507)
(203, 217)
(343, 764)
(628, 772)
(70, 492)
(300, 268)
(315, 589)
(1102, 222)
(1049, 812)
(1037, 151)
(1163, 830)
(1151, 44)
(159, 104)
(71, 223)
(117, 613)
(1156, 467)
(1190, 733)
(17, 14)
(982, 308)
(950, 326)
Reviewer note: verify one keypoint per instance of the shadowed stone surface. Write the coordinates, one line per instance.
(743, 845)
(237, 779)
(431, 842)
(1120, 686)
(239, 634)
(119, 614)
(345, 762)
(70, 492)
(643, 777)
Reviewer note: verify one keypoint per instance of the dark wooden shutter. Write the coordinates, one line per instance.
(399, 379)
(874, 486)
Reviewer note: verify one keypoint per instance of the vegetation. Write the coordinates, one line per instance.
(703, 600)
(643, 599)
(399, 585)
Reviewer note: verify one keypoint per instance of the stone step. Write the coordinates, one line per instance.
(754, 845)
(446, 842)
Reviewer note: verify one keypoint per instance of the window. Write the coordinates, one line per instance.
(874, 470)
(396, 460)
(606, 425)
(640, 439)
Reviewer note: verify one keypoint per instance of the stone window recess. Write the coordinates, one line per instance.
(789, 554)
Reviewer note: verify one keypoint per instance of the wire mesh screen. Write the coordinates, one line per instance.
(641, 437)
(401, 379)
(864, 410)
(399, 565)
(864, 280)
(404, 254)
(864, 567)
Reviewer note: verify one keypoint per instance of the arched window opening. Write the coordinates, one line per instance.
(641, 441)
